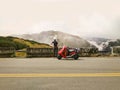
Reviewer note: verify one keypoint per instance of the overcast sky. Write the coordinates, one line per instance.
(80, 17)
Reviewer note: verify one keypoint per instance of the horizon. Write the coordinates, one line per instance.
(84, 37)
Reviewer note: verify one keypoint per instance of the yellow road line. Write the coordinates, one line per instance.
(62, 75)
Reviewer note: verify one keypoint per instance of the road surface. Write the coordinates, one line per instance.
(86, 73)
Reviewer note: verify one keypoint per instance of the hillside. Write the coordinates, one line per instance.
(62, 38)
(97, 39)
(19, 43)
(100, 42)
(115, 43)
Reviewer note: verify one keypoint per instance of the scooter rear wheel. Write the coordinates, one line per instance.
(76, 57)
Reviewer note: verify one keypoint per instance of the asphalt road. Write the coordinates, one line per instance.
(30, 70)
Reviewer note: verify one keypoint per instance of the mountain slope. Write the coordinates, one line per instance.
(97, 39)
(19, 43)
(100, 42)
(62, 38)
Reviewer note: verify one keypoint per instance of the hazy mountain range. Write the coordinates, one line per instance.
(97, 39)
(69, 40)
(62, 38)
(100, 42)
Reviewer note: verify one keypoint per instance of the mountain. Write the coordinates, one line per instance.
(97, 39)
(62, 38)
(19, 43)
(100, 42)
(115, 43)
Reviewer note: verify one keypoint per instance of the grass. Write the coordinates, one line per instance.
(20, 54)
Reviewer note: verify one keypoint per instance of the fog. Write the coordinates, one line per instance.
(88, 18)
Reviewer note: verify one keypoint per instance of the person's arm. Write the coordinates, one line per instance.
(51, 44)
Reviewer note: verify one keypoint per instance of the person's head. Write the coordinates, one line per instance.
(54, 39)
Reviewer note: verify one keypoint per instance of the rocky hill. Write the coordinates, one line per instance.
(97, 39)
(62, 38)
(100, 42)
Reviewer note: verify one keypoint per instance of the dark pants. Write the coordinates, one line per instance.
(55, 51)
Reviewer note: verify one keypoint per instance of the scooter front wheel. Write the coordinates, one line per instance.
(59, 57)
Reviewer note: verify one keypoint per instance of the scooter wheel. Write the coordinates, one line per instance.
(59, 57)
(76, 57)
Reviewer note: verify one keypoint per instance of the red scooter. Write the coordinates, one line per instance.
(68, 53)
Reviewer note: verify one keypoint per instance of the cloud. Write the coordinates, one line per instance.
(92, 25)
(94, 18)
(97, 25)
(48, 25)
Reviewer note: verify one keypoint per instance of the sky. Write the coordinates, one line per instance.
(89, 18)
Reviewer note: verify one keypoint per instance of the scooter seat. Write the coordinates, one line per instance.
(71, 50)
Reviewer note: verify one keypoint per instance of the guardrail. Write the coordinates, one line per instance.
(89, 51)
(48, 52)
(39, 52)
(7, 51)
(116, 51)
